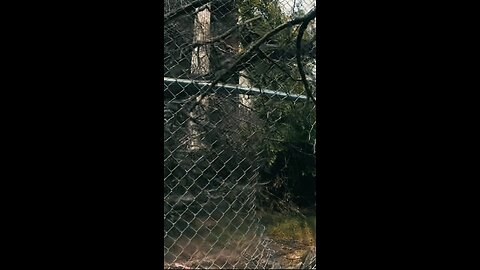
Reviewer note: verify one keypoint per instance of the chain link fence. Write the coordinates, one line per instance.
(239, 125)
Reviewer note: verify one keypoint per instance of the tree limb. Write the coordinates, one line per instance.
(262, 54)
(301, 31)
(252, 49)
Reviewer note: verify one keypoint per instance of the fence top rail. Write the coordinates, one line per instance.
(175, 85)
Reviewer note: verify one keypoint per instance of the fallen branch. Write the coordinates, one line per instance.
(262, 54)
(252, 49)
(301, 31)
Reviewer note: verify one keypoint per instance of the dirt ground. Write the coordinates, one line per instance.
(291, 238)
(289, 254)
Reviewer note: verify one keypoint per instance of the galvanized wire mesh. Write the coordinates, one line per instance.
(231, 99)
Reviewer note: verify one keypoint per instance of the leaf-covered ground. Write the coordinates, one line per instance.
(293, 237)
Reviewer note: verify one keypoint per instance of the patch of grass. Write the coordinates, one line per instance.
(290, 227)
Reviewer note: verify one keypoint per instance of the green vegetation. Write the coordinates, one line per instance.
(290, 227)
(290, 127)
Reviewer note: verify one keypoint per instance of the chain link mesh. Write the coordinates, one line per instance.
(232, 100)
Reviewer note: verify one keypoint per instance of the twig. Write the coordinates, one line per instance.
(301, 31)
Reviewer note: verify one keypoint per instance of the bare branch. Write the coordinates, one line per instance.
(301, 31)
(253, 48)
(261, 53)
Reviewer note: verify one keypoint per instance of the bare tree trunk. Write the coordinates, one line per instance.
(200, 66)
(201, 31)
(245, 100)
